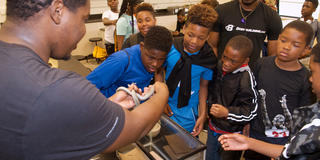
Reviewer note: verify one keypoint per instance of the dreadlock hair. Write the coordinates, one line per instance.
(302, 27)
(158, 38)
(202, 15)
(145, 7)
(242, 44)
(314, 2)
(23, 9)
(124, 6)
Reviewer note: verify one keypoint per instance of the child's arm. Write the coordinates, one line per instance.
(203, 93)
(213, 42)
(108, 22)
(234, 142)
(245, 104)
(109, 71)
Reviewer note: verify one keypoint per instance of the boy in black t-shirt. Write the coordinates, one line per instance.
(232, 96)
(282, 85)
(305, 133)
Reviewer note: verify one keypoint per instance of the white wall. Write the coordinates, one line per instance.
(2, 11)
(292, 8)
(84, 46)
(93, 29)
(98, 6)
(223, 1)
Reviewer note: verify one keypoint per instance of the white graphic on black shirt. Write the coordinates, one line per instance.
(281, 122)
(229, 27)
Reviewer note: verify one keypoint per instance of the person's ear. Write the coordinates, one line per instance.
(141, 46)
(56, 11)
(183, 28)
(306, 51)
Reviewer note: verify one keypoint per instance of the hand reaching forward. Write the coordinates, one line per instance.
(234, 142)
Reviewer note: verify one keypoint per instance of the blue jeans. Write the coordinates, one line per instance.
(214, 150)
(213, 145)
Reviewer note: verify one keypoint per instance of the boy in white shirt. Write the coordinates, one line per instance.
(109, 19)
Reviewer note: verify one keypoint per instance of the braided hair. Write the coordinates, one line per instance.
(124, 7)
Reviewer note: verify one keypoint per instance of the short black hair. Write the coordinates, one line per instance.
(145, 7)
(202, 15)
(23, 9)
(158, 38)
(316, 53)
(242, 44)
(314, 2)
(212, 3)
(302, 27)
(181, 12)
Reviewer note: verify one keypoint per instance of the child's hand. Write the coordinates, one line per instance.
(168, 111)
(234, 142)
(219, 111)
(198, 127)
(123, 98)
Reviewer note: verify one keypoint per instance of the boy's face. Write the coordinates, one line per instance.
(113, 4)
(181, 18)
(291, 44)
(194, 37)
(307, 9)
(152, 59)
(232, 59)
(315, 76)
(145, 21)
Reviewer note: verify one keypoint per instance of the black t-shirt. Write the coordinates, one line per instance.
(261, 23)
(180, 25)
(47, 113)
(280, 92)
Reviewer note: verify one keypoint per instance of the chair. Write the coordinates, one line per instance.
(90, 56)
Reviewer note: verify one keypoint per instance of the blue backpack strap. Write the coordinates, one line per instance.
(128, 60)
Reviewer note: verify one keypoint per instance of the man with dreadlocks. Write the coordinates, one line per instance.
(188, 69)
(127, 23)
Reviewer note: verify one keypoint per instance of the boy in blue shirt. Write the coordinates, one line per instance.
(136, 64)
(188, 68)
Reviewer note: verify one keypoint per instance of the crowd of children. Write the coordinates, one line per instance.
(234, 98)
(266, 106)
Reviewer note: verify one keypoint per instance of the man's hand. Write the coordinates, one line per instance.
(124, 99)
(219, 111)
